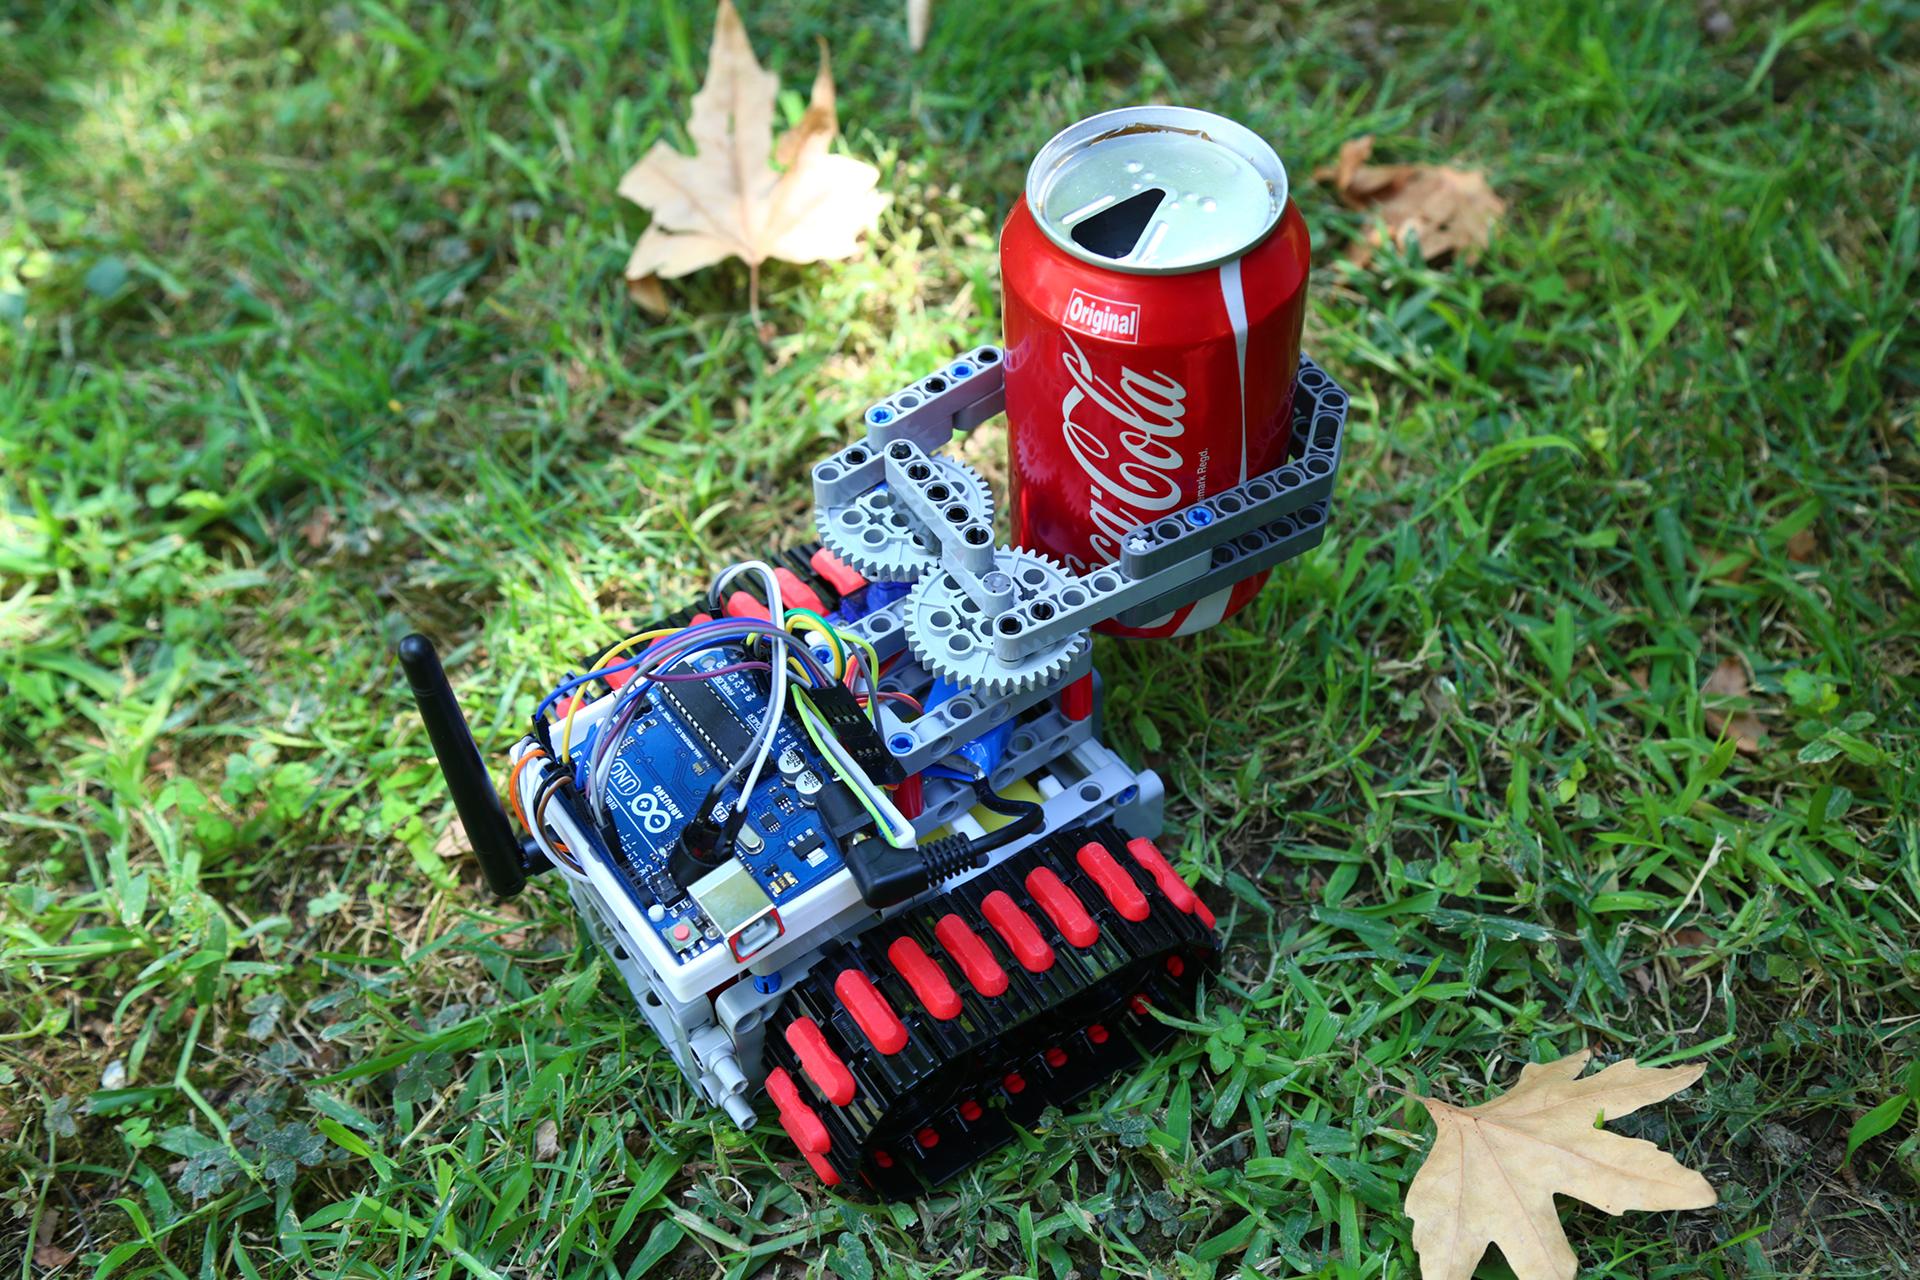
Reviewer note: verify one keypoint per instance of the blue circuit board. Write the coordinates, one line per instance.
(662, 770)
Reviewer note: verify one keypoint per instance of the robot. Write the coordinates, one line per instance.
(852, 837)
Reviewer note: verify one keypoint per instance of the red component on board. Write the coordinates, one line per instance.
(1017, 929)
(1076, 700)
(1122, 893)
(928, 1138)
(910, 797)
(1098, 1034)
(870, 1010)
(1148, 855)
(742, 605)
(971, 1111)
(925, 976)
(1014, 1082)
(1062, 907)
(839, 575)
(1154, 281)
(976, 963)
(822, 1065)
(1056, 1057)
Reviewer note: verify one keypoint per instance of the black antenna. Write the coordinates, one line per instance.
(502, 857)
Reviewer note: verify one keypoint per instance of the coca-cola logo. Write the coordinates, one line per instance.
(1100, 317)
(1129, 456)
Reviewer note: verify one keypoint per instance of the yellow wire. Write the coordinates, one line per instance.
(826, 629)
(566, 734)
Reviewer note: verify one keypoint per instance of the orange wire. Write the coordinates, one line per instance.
(513, 786)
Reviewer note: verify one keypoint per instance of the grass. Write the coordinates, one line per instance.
(312, 332)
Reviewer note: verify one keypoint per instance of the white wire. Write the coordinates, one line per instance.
(777, 703)
(528, 785)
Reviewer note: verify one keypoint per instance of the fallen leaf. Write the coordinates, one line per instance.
(727, 200)
(1494, 1169)
(1729, 683)
(546, 1140)
(648, 294)
(1447, 209)
(45, 1252)
(319, 527)
(1803, 546)
(919, 17)
(52, 1256)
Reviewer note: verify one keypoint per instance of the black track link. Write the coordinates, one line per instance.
(967, 1080)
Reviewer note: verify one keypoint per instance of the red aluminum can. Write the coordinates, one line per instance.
(1155, 282)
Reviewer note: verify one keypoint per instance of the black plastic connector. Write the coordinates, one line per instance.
(702, 846)
(888, 876)
(854, 728)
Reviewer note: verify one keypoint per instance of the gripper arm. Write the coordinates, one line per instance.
(1164, 565)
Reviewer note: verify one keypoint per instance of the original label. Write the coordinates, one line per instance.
(1099, 317)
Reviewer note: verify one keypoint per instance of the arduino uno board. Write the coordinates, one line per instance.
(662, 769)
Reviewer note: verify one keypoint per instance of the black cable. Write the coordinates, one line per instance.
(1026, 816)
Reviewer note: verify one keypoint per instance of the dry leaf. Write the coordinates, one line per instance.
(1447, 209)
(1729, 683)
(45, 1252)
(1495, 1168)
(727, 199)
(648, 294)
(919, 18)
(319, 527)
(1803, 546)
(546, 1140)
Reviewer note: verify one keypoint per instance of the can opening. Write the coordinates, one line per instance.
(1115, 231)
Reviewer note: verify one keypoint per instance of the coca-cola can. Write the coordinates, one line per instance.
(1155, 281)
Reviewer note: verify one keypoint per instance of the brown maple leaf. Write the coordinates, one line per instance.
(1728, 683)
(1495, 1168)
(728, 199)
(1446, 209)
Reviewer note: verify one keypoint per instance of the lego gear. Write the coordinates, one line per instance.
(952, 637)
(876, 538)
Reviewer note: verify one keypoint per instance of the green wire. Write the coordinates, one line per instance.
(808, 719)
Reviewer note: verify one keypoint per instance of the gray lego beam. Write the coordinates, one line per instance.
(965, 534)
(1090, 598)
(1319, 423)
(1252, 552)
(932, 409)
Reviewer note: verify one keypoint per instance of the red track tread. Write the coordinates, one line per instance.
(796, 594)
(742, 605)
(924, 975)
(1063, 907)
(1017, 929)
(976, 963)
(870, 1010)
(822, 1065)
(796, 1117)
(1149, 857)
(841, 576)
(1122, 893)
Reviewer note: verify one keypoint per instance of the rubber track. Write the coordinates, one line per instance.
(922, 1114)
